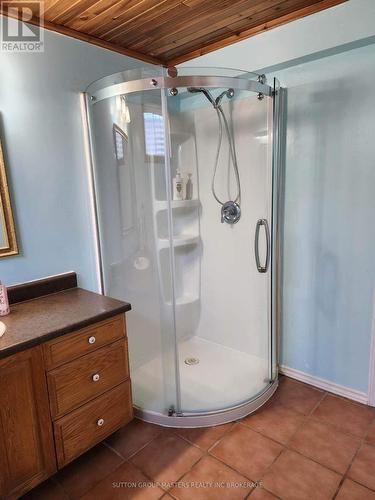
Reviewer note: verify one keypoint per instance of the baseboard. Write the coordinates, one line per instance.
(321, 383)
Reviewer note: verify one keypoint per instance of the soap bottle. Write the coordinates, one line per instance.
(178, 186)
(4, 303)
(189, 188)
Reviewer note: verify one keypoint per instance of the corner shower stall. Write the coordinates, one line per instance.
(201, 272)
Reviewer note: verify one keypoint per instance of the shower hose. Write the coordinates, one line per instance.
(222, 118)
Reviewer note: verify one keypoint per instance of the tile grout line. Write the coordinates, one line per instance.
(124, 460)
(206, 453)
(345, 475)
(102, 479)
(262, 489)
(137, 450)
(166, 491)
(128, 460)
(114, 450)
(205, 450)
(286, 445)
(184, 474)
(324, 396)
(236, 470)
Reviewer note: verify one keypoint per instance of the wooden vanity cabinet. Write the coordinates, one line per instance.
(27, 454)
(59, 399)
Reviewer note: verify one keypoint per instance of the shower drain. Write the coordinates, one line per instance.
(191, 361)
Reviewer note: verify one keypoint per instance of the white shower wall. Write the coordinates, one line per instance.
(233, 294)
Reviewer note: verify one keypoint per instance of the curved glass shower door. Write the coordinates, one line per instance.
(222, 301)
(200, 329)
(130, 166)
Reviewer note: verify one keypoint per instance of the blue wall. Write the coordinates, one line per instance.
(42, 137)
(329, 234)
(346, 24)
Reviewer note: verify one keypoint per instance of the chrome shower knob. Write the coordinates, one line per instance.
(230, 212)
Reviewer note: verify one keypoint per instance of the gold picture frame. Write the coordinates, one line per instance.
(8, 238)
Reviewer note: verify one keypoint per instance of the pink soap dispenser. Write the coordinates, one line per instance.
(4, 303)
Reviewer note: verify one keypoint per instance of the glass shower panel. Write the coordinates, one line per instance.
(129, 151)
(222, 301)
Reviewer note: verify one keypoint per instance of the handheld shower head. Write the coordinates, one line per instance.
(228, 93)
(215, 102)
(204, 91)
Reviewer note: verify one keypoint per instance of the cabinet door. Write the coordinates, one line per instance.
(26, 445)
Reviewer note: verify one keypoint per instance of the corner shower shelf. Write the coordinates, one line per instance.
(184, 300)
(179, 241)
(163, 205)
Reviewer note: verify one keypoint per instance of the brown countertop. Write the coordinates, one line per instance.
(35, 321)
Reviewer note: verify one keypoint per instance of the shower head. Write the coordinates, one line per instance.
(228, 93)
(215, 102)
(204, 91)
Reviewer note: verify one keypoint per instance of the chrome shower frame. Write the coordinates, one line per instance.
(181, 81)
(259, 87)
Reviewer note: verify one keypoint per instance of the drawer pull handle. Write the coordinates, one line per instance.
(100, 422)
(92, 340)
(96, 377)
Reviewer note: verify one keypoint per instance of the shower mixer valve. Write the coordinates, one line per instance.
(230, 212)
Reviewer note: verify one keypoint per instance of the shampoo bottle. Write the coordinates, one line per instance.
(189, 188)
(178, 186)
(4, 304)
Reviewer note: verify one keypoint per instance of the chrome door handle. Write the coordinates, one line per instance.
(264, 223)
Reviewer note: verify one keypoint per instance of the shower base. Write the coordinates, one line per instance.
(211, 376)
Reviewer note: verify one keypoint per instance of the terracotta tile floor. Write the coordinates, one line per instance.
(305, 444)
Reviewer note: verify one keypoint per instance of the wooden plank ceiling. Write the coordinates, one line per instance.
(169, 32)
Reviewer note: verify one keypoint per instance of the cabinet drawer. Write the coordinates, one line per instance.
(74, 345)
(83, 428)
(77, 382)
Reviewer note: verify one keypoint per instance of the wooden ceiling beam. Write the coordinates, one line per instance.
(63, 30)
(75, 10)
(113, 15)
(143, 19)
(200, 28)
(174, 60)
(174, 22)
